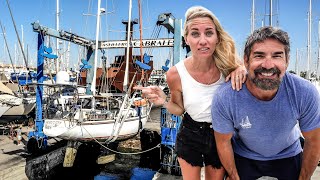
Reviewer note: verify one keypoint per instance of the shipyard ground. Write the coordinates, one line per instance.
(17, 164)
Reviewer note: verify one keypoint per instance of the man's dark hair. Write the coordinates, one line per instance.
(267, 32)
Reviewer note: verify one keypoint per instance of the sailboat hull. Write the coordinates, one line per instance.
(91, 130)
(3, 109)
(21, 110)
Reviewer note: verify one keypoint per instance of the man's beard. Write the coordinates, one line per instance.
(266, 83)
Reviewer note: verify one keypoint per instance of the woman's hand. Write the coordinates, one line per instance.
(238, 77)
(154, 94)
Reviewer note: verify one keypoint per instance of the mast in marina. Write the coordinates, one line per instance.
(309, 40)
(126, 75)
(93, 86)
(270, 16)
(57, 39)
(252, 17)
(318, 62)
(296, 64)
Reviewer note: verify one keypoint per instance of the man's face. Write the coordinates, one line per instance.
(267, 64)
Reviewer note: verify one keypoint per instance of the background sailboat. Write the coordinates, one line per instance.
(16, 99)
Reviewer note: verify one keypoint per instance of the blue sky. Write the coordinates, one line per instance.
(234, 15)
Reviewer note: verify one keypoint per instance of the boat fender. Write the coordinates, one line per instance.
(140, 102)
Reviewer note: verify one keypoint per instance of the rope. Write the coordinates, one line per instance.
(154, 35)
(118, 152)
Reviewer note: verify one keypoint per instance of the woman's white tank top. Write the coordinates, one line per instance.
(197, 97)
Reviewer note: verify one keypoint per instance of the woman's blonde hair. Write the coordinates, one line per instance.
(225, 55)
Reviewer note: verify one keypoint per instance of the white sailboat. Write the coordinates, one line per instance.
(87, 124)
(105, 117)
(70, 114)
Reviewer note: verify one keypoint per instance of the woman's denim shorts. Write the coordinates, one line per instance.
(195, 143)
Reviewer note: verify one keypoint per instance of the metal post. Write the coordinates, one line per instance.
(90, 72)
(177, 41)
(39, 123)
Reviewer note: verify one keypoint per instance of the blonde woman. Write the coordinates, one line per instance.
(192, 83)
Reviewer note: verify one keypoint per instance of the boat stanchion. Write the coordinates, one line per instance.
(71, 152)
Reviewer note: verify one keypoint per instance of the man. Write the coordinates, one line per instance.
(257, 129)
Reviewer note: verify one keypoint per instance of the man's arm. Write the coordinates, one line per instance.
(226, 156)
(311, 153)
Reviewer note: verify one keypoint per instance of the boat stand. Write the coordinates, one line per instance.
(71, 152)
(106, 156)
(169, 128)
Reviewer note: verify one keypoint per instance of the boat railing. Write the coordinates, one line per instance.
(120, 116)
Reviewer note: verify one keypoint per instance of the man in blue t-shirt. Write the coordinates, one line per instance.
(257, 129)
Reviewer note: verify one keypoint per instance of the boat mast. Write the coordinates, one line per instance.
(20, 44)
(318, 68)
(7, 47)
(67, 59)
(93, 86)
(296, 64)
(4, 48)
(270, 17)
(22, 38)
(140, 28)
(105, 62)
(15, 55)
(126, 75)
(252, 17)
(57, 39)
(309, 40)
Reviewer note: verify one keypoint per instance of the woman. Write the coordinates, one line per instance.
(192, 83)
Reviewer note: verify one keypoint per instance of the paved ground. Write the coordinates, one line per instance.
(12, 161)
(13, 156)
